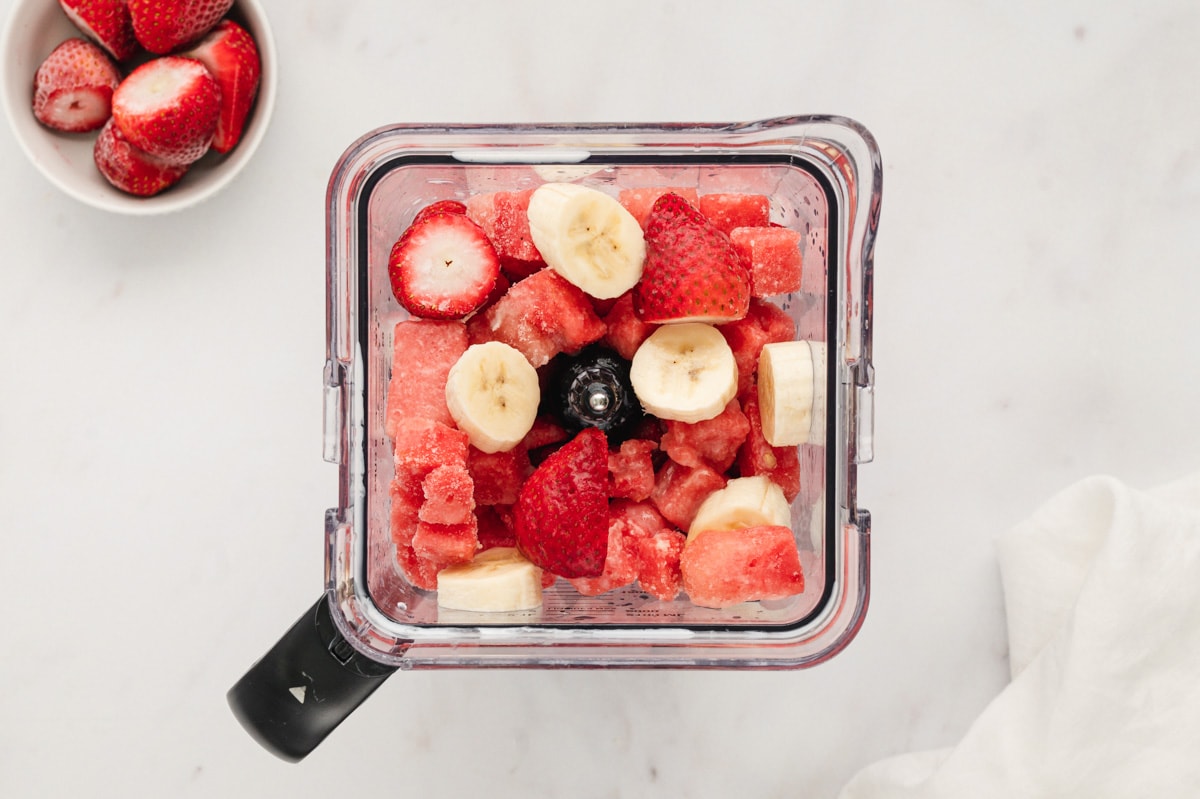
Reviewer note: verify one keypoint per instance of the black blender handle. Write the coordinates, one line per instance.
(305, 686)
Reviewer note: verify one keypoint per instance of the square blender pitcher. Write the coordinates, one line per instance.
(731, 538)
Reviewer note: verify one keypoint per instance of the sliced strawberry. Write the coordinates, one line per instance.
(692, 272)
(163, 25)
(106, 21)
(130, 169)
(561, 515)
(440, 207)
(73, 88)
(168, 107)
(231, 56)
(443, 267)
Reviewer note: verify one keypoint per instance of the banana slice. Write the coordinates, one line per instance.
(786, 393)
(743, 502)
(685, 372)
(492, 392)
(587, 237)
(816, 430)
(496, 581)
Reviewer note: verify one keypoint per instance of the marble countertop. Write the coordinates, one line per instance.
(160, 425)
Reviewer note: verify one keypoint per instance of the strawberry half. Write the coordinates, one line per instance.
(440, 207)
(561, 516)
(106, 21)
(73, 88)
(163, 25)
(692, 272)
(231, 56)
(168, 107)
(130, 169)
(443, 266)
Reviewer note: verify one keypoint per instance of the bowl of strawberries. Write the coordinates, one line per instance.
(138, 106)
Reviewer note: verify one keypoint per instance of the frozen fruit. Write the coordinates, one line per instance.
(449, 495)
(692, 272)
(587, 237)
(497, 581)
(625, 332)
(128, 168)
(620, 563)
(169, 107)
(542, 316)
(443, 545)
(422, 445)
(544, 433)
(729, 211)
(714, 441)
(503, 215)
(493, 395)
(757, 457)
(592, 389)
(773, 257)
(230, 54)
(494, 524)
(105, 21)
(725, 567)
(73, 87)
(786, 391)
(443, 267)
(631, 470)
(684, 372)
(639, 201)
(658, 557)
(743, 502)
(498, 476)
(764, 323)
(680, 490)
(562, 513)
(440, 207)
(421, 572)
(417, 388)
(406, 500)
(163, 25)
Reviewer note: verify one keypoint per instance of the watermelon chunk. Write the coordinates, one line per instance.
(498, 475)
(448, 495)
(679, 490)
(620, 563)
(631, 470)
(504, 217)
(638, 202)
(541, 316)
(417, 388)
(625, 331)
(443, 545)
(764, 323)
(773, 256)
(780, 465)
(729, 211)
(658, 555)
(725, 567)
(420, 572)
(713, 442)
(422, 446)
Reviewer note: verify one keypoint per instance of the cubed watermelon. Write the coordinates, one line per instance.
(498, 475)
(504, 217)
(781, 465)
(631, 470)
(713, 442)
(724, 567)
(422, 446)
(764, 323)
(620, 563)
(420, 572)
(446, 544)
(448, 495)
(729, 211)
(679, 490)
(625, 332)
(417, 388)
(658, 557)
(773, 256)
(541, 316)
(638, 202)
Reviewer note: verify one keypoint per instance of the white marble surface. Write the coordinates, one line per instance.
(160, 465)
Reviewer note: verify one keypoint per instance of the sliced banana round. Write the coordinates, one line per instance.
(684, 372)
(786, 392)
(743, 502)
(816, 430)
(587, 237)
(496, 581)
(492, 393)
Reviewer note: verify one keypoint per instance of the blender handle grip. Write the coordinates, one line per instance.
(305, 686)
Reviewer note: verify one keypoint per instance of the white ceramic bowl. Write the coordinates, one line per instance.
(34, 28)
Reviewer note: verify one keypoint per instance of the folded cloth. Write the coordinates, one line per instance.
(1102, 594)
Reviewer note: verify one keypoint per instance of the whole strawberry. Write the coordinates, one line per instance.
(163, 25)
(106, 21)
(128, 168)
(168, 107)
(231, 56)
(692, 273)
(73, 88)
(561, 515)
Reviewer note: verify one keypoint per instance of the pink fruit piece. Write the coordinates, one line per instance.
(781, 465)
(128, 168)
(498, 476)
(631, 470)
(642, 517)
(504, 217)
(773, 255)
(105, 21)
(729, 211)
(443, 267)
(419, 571)
(422, 354)
(73, 87)
(422, 446)
(679, 490)
(620, 564)
(640, 201)
(406, 498)
(443, 545)
(712, 442)
(763, 324)
(163, 25)
(169, 107)
(545, 432)
(230, 54)
(625, 331)
(658, 563)
(448, 493)
(541, 316)
(725, 567)
(495, 526)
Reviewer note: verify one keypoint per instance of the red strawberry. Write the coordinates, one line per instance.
(231, 56)
(440, 207)
(73, 88)
(692, 273)
(130, 169)
(162, 25)
(561, 516)
(168, 107)
(106, 21)
(443, 267)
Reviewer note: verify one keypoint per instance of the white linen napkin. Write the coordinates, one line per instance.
(1102, 593)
